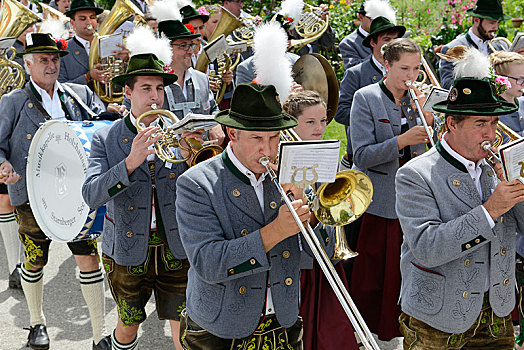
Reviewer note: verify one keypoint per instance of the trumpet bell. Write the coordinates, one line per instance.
(345, 200)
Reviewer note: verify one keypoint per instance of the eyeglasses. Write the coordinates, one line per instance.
(185, 47)
(518, 81)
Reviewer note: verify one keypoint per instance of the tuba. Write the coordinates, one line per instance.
(49, 12)
(121, 11)
(15, 18)
(228, 23)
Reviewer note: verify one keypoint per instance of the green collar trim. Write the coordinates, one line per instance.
(375, 66)
(385, 90)
(229, 164)
(33, 89)
(450, 158)
(130, 125)
(468, 38)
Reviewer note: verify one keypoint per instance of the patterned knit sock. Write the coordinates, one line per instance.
(92, 286)
(115, 345)
(33, 286)
(12, 243)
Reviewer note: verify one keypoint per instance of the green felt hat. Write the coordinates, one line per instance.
(42, 43)
(145, 65)
(256, 108)
(381, 25)
(489, 9)
(79, 5)
(188, 13)
(175, 29)
(474, 97)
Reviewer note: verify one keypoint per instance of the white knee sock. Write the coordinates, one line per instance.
(33, 286)
(115, 345)
(12, 243)
(92, 286)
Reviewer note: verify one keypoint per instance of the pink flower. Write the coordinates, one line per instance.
(503, 80)
(202, 10)
(168, 69)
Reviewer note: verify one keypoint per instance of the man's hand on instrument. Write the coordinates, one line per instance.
(216, 135)
(185, 148)
(116, 108)
(325, 11)
(122, 54)
(505, 196)
(414, 136)
(498, 168)
(99, 74)
(140, 148)
(213, 85)
(7, 175)
(227, 77)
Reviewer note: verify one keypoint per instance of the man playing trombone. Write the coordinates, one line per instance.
(459, 223)
(243, 284)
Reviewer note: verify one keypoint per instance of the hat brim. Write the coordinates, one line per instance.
(285, 121)
(504, 108)
(184, 36)
(495, 17)
(204, 18)
(401, 30)
(97, 10)
(445, 57)
(121, 79)
(61, 53)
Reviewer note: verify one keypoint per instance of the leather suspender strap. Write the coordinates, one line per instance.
(36, 103)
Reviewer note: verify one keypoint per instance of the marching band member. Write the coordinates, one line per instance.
(459, 223)
(141, 247)
(191, 16)
(351, 48)
(75, 67)
(382, 31)
(215, 13)
(241, 242)
(511, 65)
(316, 296)
(384, 135)
(487, 15)
(23, 110)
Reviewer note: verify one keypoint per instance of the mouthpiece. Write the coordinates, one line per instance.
(264, 161)
(154, 106)
(408, 83)
(486, 145)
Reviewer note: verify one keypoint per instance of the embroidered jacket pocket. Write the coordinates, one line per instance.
(425, 289)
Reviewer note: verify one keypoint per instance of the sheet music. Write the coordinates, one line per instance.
(512, 156)
(6, 43)
(436, 95)
(193, 121)
(107, 44)
(216, 48)
(321, 157)
(518, 42)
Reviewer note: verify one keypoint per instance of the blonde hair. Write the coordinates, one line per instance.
(396, 47)
(502, 61)
(300, 100)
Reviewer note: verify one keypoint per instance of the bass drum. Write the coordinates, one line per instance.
(56, 170)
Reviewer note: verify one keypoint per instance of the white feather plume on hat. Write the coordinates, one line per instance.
(272, 67)
(144, 41)
(473, 64)
(292, 8)
(165, 10)
(183, 3)
(376, 8)
(54, 27)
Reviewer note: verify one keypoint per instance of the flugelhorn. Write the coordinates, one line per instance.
(164, 148)
(502, 129)
(414, 97)
(339, 192)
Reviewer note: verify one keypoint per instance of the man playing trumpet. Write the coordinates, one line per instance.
(459, 223)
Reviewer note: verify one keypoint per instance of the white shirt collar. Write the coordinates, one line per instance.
(187, 76)
(249, 174)
(467, 163)
(362, 31)
(379, 65)
(42, 91)
(482, 44)
(84, 42)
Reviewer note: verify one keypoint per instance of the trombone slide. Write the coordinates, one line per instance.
(422, 118)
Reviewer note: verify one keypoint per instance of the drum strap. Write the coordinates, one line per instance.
(78, 100)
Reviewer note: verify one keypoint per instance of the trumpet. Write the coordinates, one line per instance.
(486, 146)
(331, 197)
(164, 148)
(414, 97)
(502, 129)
